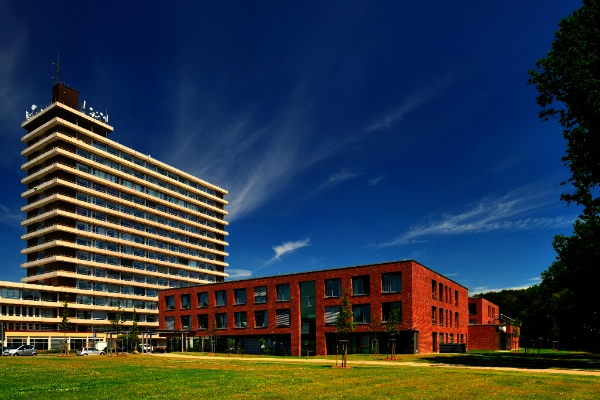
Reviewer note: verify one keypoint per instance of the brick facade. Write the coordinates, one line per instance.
(418, 328)
(486, 312)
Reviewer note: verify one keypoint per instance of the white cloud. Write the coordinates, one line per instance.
(238, 273)
(508, 213)
(375, 181)
(288, 247)
(485, 289)
(453, 274)
(412, 102)
(9, 217)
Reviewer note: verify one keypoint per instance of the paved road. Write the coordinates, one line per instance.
(386, 363)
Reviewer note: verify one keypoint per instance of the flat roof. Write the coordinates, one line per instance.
(324, 270)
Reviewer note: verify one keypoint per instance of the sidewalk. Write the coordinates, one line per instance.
(384, 363)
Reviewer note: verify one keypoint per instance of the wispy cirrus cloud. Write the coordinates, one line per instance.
(10, 217)
(493, 213)
(424, 94)
(485, 289)
(235, 273)
(375, 181)
(286, 248)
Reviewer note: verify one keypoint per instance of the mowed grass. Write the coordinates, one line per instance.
(148, 377)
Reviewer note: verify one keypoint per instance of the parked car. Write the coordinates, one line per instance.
(89, 351)
(21, 350)
(146, 348)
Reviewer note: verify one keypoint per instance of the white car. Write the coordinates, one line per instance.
(146, 348)
(89, 351)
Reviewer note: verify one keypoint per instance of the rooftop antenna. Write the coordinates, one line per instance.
(57, 63)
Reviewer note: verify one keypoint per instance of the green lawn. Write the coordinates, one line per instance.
(50, 377)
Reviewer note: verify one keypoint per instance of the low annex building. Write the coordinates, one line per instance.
(490, 330)
(296, 313)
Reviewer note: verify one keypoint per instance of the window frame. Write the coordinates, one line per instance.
(392, 276)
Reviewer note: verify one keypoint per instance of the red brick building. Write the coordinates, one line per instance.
(296, 313)
(488, 329)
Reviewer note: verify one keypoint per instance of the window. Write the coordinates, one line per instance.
(283, 317)
(433, 315)
(202, 321)
(221, 320)
(239, 296)
(240, 319)
(10, 293)
(472, 322)
(305, 328)
(391, 282)
(283, 292)
(456, 297)
(441, 319)
(203, 299)
(333, 287)
(185, 301)
(441, 291)
(170, 323)
(472, 309)
(433, 287)
(362, 313)
(391, 312)
(331, 313)
(260, 319)
(220, 298)
(185, 322)
(260, 294)
(360, 285)
(456, 320)
(169, 303)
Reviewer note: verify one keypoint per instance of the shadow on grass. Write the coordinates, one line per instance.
(584, 361)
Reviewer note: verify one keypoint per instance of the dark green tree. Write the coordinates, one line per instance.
(570, 76)
(568, 83)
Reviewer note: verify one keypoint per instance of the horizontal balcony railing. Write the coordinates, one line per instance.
(147, 171)
(125, 189)
(93, 207)
(64, 182)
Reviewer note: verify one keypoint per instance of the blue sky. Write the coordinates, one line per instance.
(346, 132)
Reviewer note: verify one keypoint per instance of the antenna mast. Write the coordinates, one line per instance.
(57, 63)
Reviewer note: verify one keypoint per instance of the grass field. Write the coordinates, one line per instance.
(149, 377)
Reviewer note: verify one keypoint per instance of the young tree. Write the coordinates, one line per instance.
(392, 327)
(65, 325)
(134, 332)
(213, 334)
(344, 323)
(117, 325)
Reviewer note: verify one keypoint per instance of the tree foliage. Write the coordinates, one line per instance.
(570, 75)
(65, 324)
(134, 332)
(568, 82)
(344, 323)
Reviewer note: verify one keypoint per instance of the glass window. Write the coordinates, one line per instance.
(169, 303)
(221, 297)
(391, 282)
(185, 301)
(240, 319)
(333, 287)
(360, 285)
(202, 321)
(260, 319)
(185, 322)
(391, 312)
(170, 323)
(240, 296)
(331, 313)
(221, 320)
(362, 313)
(472, 309)
(283, 292)
(203, 299)
(260, 294)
